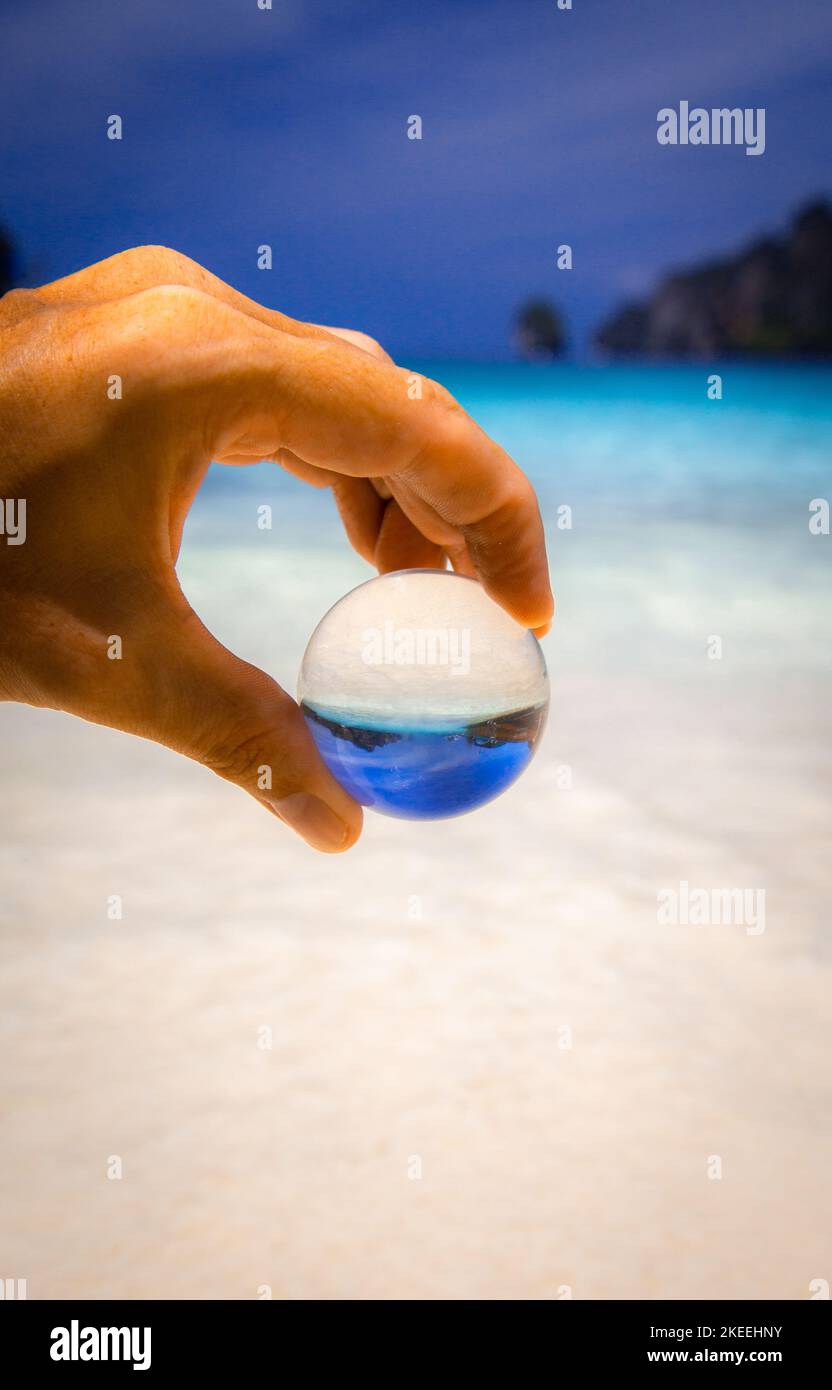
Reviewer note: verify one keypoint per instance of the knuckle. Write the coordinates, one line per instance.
(146, 261)
(446, 422)
(355, 338)
(237, 758)
(440, 428)
(448, 426)
(518, 491)
(439, 396)
(161, 316)
(170, 300)
(20, 312)
(241, 749)
(370, 345)
(20, 299)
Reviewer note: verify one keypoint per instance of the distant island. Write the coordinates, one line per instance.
(538, 330)
(772, 299)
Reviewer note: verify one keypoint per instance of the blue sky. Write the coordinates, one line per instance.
(288, 126)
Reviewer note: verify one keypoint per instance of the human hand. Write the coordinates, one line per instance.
(210, 375)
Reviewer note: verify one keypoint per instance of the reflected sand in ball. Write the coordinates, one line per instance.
(424, 698)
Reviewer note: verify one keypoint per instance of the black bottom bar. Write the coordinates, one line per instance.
(225, 1338)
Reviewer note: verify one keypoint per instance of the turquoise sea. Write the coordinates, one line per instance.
(621, 445)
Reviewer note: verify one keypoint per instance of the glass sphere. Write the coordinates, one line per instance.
(425, 699)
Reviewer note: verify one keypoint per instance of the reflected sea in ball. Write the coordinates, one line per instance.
(427, 773)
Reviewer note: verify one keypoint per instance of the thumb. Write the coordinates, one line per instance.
(201, 700)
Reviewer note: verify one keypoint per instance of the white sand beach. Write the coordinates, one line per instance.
(420, 1127)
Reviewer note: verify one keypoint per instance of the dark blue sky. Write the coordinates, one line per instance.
(288, 126)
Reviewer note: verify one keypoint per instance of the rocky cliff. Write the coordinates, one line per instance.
(772, 299)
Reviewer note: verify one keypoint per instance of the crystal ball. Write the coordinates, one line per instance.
(424, 698)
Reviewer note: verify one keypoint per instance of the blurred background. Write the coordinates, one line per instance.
(466, 1060)
(289, 126)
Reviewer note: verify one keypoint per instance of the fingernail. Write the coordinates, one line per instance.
(313, 819)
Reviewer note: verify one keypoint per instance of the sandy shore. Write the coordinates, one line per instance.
(420, 1126)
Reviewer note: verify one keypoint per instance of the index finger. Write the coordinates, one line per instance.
(359, 416)
(260, 390)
